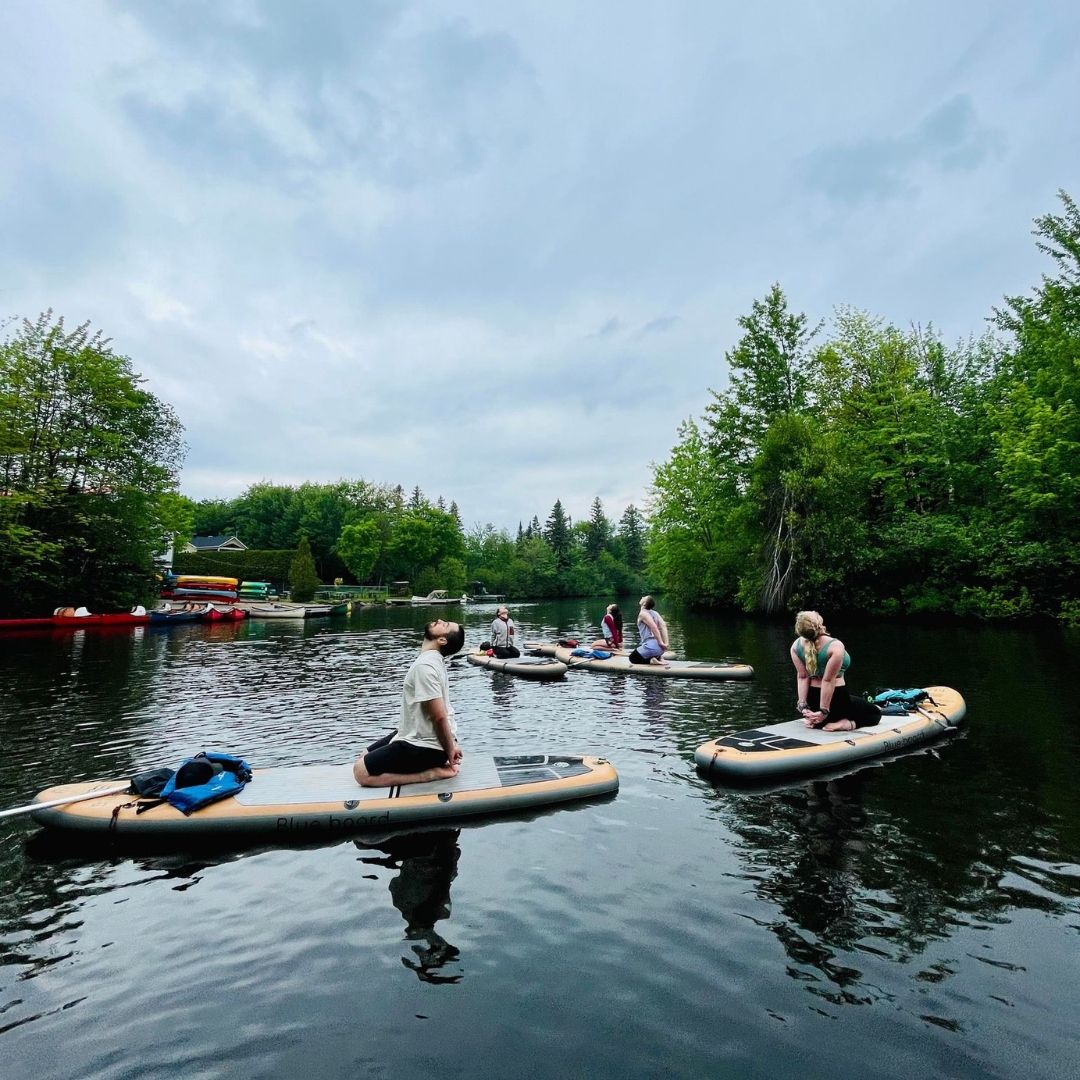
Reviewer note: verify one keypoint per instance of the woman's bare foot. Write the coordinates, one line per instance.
(657, 662)
(840, 725)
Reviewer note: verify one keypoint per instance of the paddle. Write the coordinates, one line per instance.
(86, 795)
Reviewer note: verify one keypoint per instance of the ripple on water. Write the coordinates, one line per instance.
(915, 918)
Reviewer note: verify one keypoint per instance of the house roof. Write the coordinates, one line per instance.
(209, 543)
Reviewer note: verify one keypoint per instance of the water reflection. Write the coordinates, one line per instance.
(427, 865)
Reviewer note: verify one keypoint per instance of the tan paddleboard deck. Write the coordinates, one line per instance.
(675, 669)
(525, 667)
(547, 648)
(325, 799)
(792, 747)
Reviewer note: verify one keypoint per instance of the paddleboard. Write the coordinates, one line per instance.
(325, 799)
(792, 747)
(543, 668)
(676, 669)
(547, 648)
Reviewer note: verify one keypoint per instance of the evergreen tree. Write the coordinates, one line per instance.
(302, 579)
(598, 531)
(455, 513)
(558, 536)
(440, 503)
(632, 534)
(417, 501)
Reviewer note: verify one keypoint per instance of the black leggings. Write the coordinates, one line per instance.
(505, 652)
(844, 707)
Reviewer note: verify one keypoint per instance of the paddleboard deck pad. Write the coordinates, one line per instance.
(675, 669)
(325, 799)
(547, 648)
(792, 747)
(526, 667)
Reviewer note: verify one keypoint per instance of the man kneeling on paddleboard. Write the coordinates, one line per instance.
(424, 747)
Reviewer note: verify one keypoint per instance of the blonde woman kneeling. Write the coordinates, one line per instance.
(820, 664)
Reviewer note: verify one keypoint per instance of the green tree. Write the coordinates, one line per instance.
(768, 378)
(303, 580)
(558, 535)
(360, 547)
(597, 531)
(632, 534)
(87, 457)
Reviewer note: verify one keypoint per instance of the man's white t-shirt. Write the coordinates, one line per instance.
(425, 681)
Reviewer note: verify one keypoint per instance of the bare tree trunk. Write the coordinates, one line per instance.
(779, 581)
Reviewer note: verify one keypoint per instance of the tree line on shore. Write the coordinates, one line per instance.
(372, 533)
(882, 470)
(871, 468)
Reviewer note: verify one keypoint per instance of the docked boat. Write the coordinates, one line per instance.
(275, 611)
(77, 618)
(435, 597)
(167, 616)
(231, 613)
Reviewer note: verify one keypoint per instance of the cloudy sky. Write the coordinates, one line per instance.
(498, 249)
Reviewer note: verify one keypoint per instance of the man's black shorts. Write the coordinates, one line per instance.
(402, 757)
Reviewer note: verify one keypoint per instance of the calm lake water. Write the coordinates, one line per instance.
(918, 919)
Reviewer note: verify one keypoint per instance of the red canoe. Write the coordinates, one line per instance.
(123, 618)
(213, 614)
(74, 622)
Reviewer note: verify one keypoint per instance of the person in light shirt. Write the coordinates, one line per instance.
(424, 747)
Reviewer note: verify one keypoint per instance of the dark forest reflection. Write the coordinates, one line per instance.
(427, 865)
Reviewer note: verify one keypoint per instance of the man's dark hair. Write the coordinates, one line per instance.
(454, 640)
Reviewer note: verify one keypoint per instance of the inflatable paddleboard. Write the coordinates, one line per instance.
(544, 668)
(676, 669)
(793, 747)
(547, 648)
(326, 800)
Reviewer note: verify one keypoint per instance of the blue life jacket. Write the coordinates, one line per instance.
(592, 654)
(901, 697)
(228, 776)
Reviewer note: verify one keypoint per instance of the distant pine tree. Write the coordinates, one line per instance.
(632, 534)
(599, 531)
(558, 535)
(302, 578)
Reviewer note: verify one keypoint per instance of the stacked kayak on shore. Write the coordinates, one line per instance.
(256, 590)
(196, 586)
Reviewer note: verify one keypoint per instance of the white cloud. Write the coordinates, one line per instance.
(499, 250)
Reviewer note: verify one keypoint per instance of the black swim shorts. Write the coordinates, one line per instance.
(403, 757)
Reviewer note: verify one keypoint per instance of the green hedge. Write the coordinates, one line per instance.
(272, 566)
